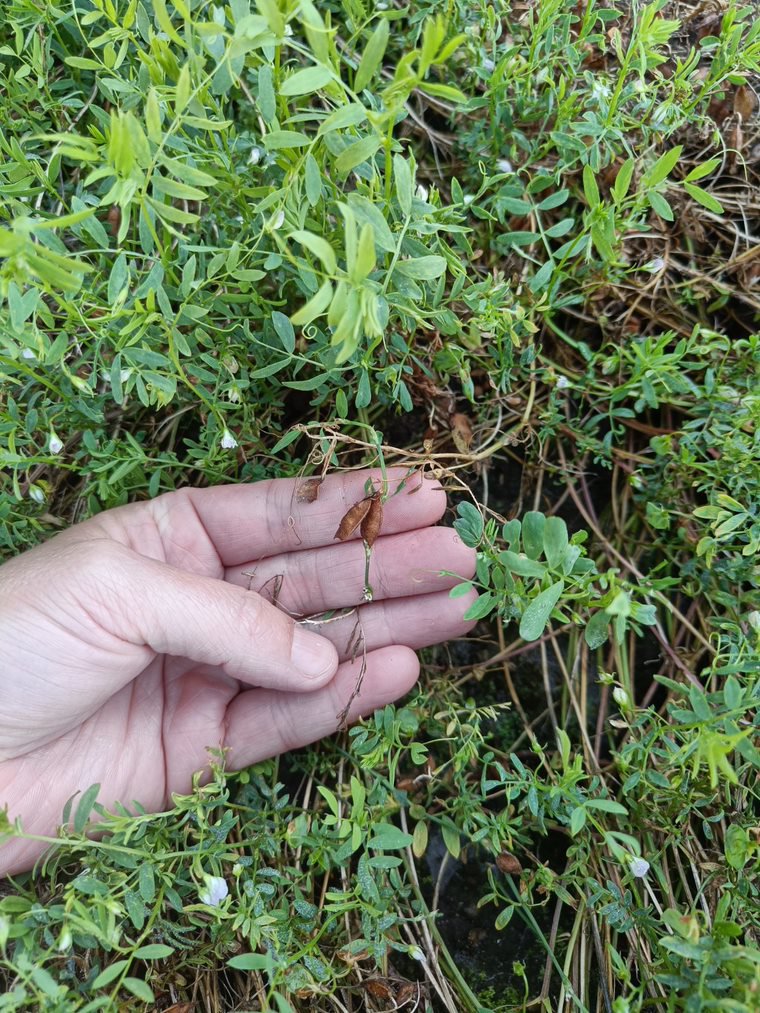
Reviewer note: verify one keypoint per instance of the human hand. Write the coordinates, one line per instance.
(136, 641)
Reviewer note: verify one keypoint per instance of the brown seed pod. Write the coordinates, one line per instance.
(308, 491)
(508, 864)
(114, 220)
(373, 520)
(352, 518)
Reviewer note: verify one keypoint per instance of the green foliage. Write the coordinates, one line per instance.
(239, 240)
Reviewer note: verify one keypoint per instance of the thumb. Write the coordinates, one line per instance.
(207, 620)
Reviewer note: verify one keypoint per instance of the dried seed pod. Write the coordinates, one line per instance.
(114, 220)
(352, 518)
(308, 491)
(373, 520)
(461, 431)
(508, 864)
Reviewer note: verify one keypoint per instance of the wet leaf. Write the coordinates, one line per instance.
(352, 518)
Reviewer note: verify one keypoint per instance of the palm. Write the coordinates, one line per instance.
(131, 650)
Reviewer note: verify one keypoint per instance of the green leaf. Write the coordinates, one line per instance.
(420, 839)
(356, 153)
(663, 167)
(285, 139)
(451, 839)
(372, 56)
(577, 820)
(306, 81)
(597, 630)
(590, 188)
(182, 93)
(173, 188)
(82, 63)
(350, 115)
(737, 846)
(386, 837)
(533, 526)
(469, 524)
(424, 268)
(660, 205)
(109, 974)
(700, 171)
(140, 989)
(284, 330)
(606, 805)
(146, 882)
(153, 951)
(319, 247)
(704, 198)
(555, 541)
(481, 607)
(314, 308)
(188, 173)
(536, 615)
(622, 182)
(402, 175)
(554, 200)
(460, 590)
(84, 807)
(251, 962)
(521, 564)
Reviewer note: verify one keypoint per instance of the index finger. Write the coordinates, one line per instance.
(246, 522)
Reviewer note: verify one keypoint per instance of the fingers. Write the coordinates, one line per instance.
(333, 577)
(262, 723)
(412, 622)
(246, 522)
(149, 603)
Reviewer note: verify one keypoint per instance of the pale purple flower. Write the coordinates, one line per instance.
(214, 892)
(55, 444)
(639, 867)
(228, 441)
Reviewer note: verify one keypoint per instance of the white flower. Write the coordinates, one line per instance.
(277, 220)
(504, 165)
(288, 31)
(621, 698)
(228, 441)
(36, 493)
(562, 382)
(55, 444)
(639, 867)
(214, 892)
(422, 191)
(468, 198)
(655, 265)
(754, 619)
(488, 64)
(255, 156)
(27, 353)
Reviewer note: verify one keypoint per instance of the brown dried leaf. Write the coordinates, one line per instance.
(461, 431)
(308, 491)
(373, 521)
(352, 518)
(745, 102)
(508, 864)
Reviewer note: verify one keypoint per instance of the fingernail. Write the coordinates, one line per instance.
(313, 655)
